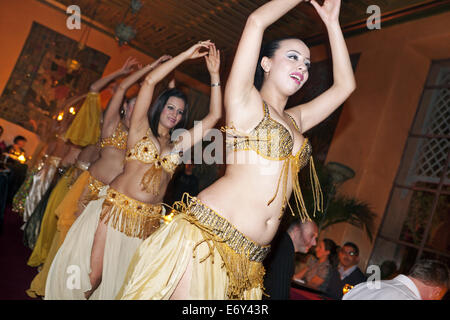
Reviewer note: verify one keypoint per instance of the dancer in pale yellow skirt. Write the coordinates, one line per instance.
(225, 263)
(101, 160)
(128, 223)
(83, 190)
(48, 225)
(102, 241)
(268, 150)
(41, 182)
(65, 215)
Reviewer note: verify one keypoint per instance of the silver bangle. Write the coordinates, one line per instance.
(217, 84)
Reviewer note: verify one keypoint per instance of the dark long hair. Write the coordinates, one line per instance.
(331, 246)
(155, 111)
(267, 50)
(126, 101)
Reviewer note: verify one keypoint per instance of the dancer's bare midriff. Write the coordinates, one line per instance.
(241, 196)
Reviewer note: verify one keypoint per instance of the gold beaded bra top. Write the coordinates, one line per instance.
(118, 139)
(146, 152)
(271, 140)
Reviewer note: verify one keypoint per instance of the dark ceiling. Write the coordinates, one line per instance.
(170, 26)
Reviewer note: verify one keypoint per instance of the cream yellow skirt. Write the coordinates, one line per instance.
(65, 215)
(225, 263)
(128, 222)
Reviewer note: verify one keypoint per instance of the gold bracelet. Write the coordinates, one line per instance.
(217, 84)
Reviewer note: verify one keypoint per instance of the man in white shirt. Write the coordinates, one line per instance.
(427, 280)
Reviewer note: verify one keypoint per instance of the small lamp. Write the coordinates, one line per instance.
(125, 33)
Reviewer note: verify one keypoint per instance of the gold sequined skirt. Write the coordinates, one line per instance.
(225, 263)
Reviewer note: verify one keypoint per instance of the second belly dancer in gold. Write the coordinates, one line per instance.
(129, 209)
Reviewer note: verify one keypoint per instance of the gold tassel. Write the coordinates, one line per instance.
(130, 217)
(284, 173)
(315, 183)
(152, 179)
(298, 196)
(315, 186)
(243, 274)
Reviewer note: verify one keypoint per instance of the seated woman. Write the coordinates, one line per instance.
(103, 239)
(214, 249)
(315, 273)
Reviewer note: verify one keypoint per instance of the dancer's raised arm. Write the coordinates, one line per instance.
(139, 119)
(215, 104)
(98, 85)
(240, 86)
(111, 116)
(317, 110)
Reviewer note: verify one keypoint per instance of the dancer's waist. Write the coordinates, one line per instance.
(129, 216)
(224, 230)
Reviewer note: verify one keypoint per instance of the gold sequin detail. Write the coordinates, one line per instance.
(117, 140)
(94, 186)
(145, 151)
(242, 257)
(271, 140)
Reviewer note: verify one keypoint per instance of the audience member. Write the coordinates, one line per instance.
(186, 182)
(388, 270)
(346, 274)
(17, 148)
(427, 280)
(280, 263)
(2, 143)
(317, 270)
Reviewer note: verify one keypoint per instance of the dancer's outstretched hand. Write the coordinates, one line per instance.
(160, 60)
(329, 11)
(129, 65)
(213, 59)
(194, 51)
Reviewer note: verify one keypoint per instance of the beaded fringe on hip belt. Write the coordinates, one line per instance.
(241, 257)
(129, 216)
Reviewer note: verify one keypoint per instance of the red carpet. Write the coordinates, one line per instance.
(15, 274)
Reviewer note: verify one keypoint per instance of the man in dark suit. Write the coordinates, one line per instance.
(346, 274)
(280, 263)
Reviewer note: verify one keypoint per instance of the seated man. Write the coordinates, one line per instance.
(17, 148)
(346, 273)
(280, 263)
(427, 280)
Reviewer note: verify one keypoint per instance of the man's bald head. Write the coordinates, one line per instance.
(303, 235)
